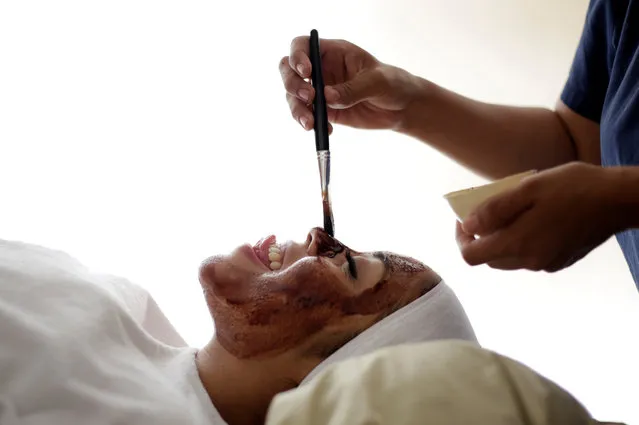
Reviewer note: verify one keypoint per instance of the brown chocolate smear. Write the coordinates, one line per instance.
(328, 218)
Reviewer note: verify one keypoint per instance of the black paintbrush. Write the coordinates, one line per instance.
(321, 131)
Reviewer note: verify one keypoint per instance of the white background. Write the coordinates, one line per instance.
(143, 136)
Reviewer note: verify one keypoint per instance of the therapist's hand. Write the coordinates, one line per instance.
(360, 91)
(548, 222)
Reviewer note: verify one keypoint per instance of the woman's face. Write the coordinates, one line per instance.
(274, 297)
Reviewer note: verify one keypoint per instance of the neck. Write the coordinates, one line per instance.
(242, 389)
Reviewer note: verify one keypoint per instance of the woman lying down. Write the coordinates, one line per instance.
(80, 348)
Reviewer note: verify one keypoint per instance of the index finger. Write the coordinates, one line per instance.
(299, 58)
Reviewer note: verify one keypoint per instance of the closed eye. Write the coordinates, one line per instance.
(352, 268)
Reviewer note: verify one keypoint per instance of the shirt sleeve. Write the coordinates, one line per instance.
(587, 83)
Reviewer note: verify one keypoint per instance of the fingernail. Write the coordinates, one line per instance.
(304, 122)
(304, 94)
(301, 69)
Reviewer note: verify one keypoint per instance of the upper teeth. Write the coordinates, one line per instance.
(275, 257)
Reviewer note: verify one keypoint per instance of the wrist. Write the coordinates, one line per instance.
(421, 94)
(622, 189)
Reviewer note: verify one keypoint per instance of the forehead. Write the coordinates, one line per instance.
(401, 264)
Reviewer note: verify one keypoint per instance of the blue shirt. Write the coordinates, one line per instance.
(603, 86)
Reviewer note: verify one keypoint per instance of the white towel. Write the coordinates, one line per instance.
(437, 315)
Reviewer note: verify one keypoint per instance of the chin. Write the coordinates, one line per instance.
(239, 258)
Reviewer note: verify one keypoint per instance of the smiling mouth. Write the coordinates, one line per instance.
(269, 252)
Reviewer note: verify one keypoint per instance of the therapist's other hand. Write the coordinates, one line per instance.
(550, 221)
(360, 91)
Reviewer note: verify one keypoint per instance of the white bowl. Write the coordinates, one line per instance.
(464, 201)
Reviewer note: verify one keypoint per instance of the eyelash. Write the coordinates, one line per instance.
(350, 267)
(346, 271)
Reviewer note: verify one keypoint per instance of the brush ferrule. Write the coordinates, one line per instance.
(324, 163)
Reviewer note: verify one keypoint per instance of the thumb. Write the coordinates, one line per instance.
(363, 86)
(497, 212)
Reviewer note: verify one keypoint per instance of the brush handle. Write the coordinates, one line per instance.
(319, 102)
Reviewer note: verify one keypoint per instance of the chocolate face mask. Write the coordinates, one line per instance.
(269, 298)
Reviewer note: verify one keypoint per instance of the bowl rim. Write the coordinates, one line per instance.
(468, 190)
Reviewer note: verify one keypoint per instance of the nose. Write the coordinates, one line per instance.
(319, 242)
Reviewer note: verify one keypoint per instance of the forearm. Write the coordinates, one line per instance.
(623, 195)
(492, 140)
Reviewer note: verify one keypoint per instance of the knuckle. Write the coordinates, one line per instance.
(345, 44)
(381, 74)
(290, 83)
(497, 207)
(347, 90)
(297, 110)
(292, 104)
(530, 186)
(484, 218)
(557, 265)
(575, 165)
(377, 81)
(534, 263)
(467, 257)
(494, 265)
(484, 212)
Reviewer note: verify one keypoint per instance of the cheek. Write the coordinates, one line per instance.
(386, 296)
(377, 300)
(369, 273)
(311, 278)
